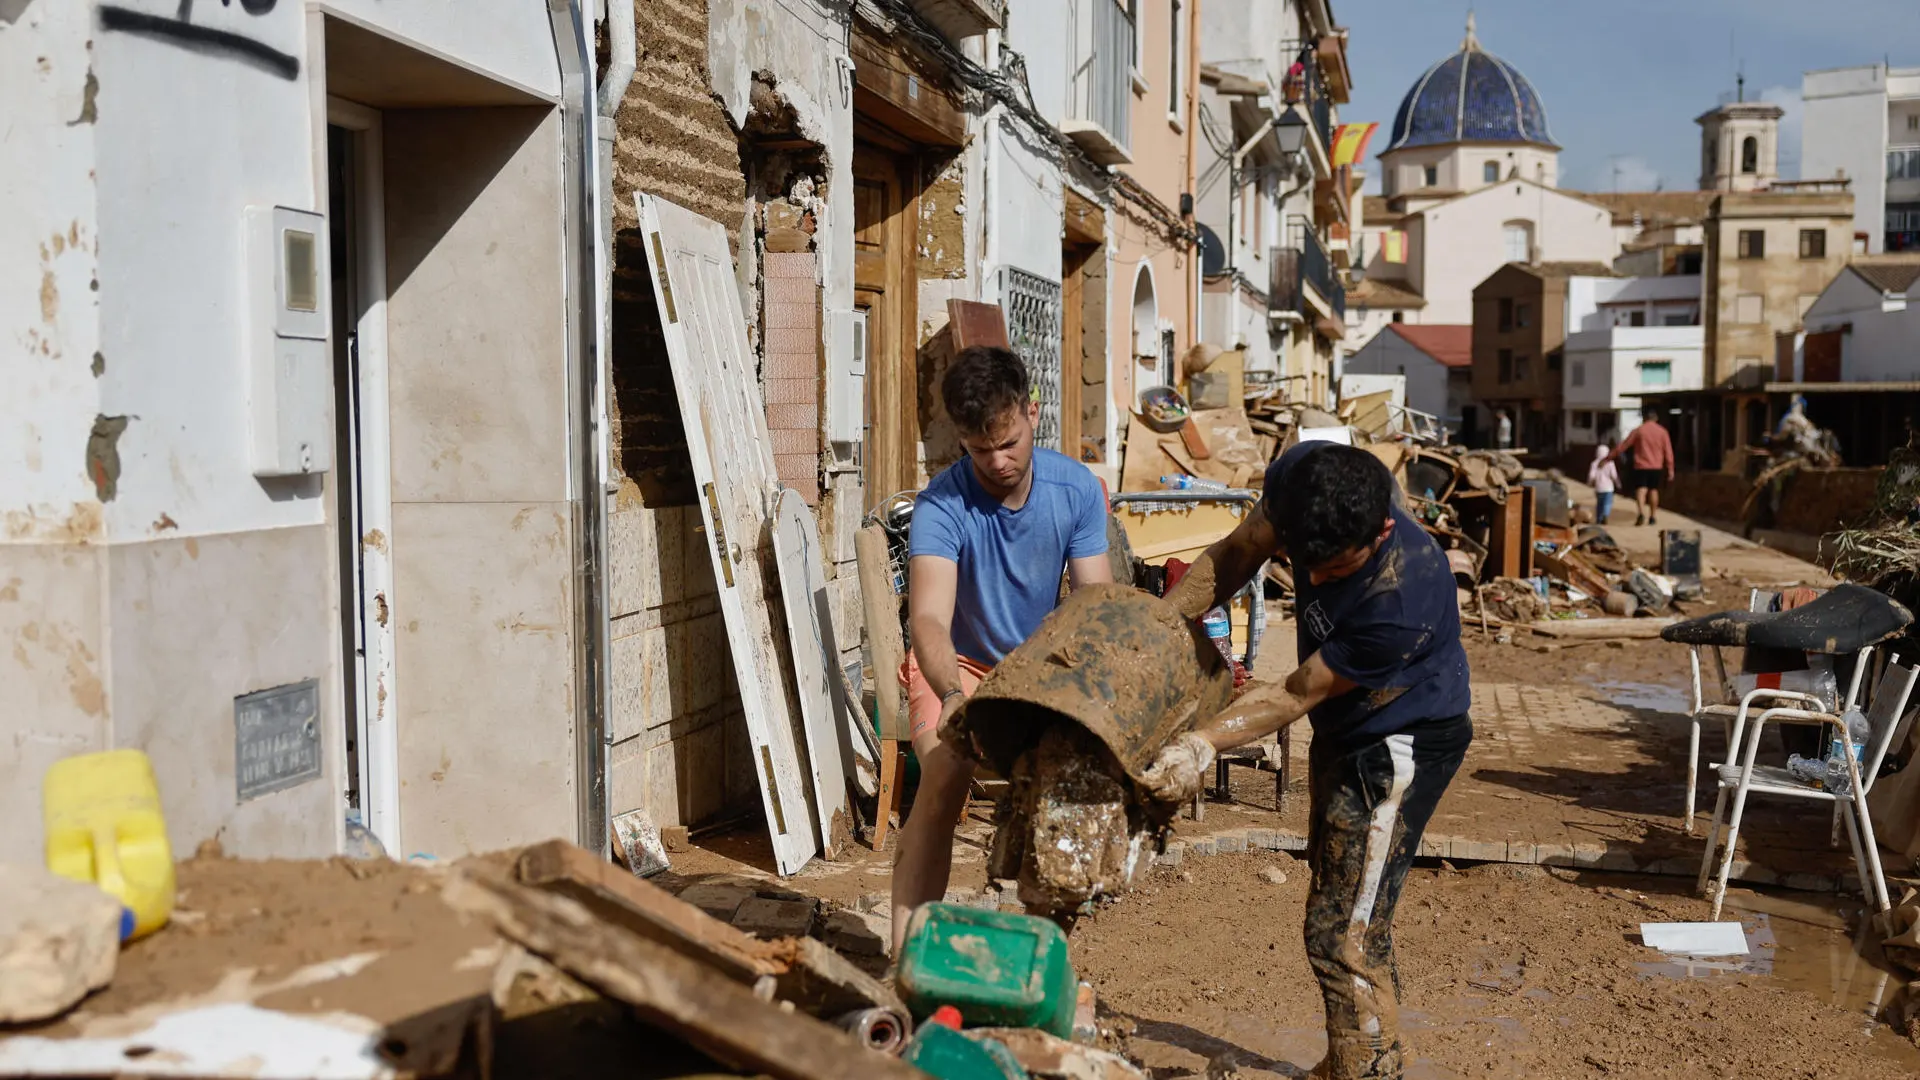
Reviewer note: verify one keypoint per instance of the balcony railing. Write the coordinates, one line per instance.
(1305, 264)
(1308, 89)
(1903, 163)
(1103, 86)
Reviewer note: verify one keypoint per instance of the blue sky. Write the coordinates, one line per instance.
(1622, 81)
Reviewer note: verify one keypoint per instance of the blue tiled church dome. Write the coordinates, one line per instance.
(1471, 96)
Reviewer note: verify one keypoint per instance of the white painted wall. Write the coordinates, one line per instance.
(1844, 132)
(1883, 340)
(49, 309)
(1602, 367)
(507, 40)
(1044, 34)
(1595, 303)
(143, 616)
(1456, 245)
(1390, 354)
(1463, 166)
(1023, 218)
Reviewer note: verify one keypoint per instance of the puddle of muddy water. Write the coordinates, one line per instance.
(1809, 947)
(1652, 696)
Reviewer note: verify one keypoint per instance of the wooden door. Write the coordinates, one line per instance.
(732, 458)
(884, 285)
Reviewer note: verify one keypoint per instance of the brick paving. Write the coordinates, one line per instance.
(1565, 775)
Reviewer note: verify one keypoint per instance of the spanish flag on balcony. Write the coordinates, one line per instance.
(1350, 143)
(1393, 246)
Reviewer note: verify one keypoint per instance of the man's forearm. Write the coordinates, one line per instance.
(1220, 571)
(933, 649)
(1254, 715)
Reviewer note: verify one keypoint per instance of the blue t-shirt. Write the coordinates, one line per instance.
(1393, 628)
(1010, 560)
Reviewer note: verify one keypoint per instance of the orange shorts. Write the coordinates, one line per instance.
(923, 705)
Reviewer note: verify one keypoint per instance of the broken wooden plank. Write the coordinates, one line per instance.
(824, 983)
(673, 992)
(645, 909)
(805, 972)
(1573, 570)
(1623, 629)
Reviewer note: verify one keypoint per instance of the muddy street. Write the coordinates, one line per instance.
(1506, 972)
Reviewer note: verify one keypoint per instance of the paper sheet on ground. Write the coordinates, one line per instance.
(1695, 938)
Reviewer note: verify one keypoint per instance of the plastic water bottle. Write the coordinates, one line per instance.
(1184, 482)
(1813, 770)
(1838, 780)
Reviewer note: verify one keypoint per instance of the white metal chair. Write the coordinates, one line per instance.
(1727, 712)
(1884, 715)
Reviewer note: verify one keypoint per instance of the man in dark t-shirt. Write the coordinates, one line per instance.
(1383, 678)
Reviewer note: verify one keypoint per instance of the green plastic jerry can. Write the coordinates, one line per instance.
(1000, 970)
(940, 1051)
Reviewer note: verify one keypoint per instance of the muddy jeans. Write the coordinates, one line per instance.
(1370, 805)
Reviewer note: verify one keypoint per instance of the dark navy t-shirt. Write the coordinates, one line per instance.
(1392, 628)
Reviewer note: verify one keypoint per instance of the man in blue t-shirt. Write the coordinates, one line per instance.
(1384, 679)
(991, 536)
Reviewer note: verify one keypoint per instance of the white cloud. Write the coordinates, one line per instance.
(1788, 98)
(1627, 172)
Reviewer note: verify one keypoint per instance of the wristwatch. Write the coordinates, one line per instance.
(944, 698)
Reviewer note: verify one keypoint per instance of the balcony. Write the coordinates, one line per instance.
(1307, 89)
(1102, 109)
(958, 20)
(1304, 282)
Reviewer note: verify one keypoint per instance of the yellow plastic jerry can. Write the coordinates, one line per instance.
(104, 826)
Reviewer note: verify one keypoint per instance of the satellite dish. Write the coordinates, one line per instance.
(1213, 256)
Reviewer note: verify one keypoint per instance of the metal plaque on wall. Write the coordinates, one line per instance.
(276, 739)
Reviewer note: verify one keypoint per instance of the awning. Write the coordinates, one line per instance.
(1841, 387)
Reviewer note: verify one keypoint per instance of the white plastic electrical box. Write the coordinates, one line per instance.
(847, 376)
(289, 370)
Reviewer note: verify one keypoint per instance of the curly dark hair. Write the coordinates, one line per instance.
(981, 385)
(1335, 499)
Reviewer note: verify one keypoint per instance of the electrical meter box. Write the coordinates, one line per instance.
(289, 370)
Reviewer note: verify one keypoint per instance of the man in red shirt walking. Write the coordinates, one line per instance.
(1652, 450)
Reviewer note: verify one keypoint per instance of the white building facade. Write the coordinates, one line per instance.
(1627, 336)
(1469, 177)
(302, 427)
(1862, 124)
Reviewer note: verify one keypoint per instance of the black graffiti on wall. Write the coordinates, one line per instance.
(206, 40)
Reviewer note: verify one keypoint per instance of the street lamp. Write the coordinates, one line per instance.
(1291, 130)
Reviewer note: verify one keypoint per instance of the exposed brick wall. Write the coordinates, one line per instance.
(791, 314)
(672, 138)
(680, 742)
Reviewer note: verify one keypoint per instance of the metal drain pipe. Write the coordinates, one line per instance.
(586, 419)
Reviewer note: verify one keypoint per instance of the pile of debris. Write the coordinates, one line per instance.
(549, 958)
(1521, 552)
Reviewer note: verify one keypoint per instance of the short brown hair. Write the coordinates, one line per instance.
(983, 383)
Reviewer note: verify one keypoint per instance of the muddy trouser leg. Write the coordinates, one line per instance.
(1370, 807)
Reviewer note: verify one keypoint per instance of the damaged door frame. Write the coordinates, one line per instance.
(368, 470)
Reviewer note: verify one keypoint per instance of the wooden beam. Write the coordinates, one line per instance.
(891, 88)
(680, 996)
(643, 908)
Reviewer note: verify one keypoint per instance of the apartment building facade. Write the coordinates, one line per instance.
(1277, 210)
(1862, 125)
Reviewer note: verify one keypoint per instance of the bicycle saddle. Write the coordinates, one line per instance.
(1845, 619)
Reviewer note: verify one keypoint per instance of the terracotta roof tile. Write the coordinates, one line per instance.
(1451, 345)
